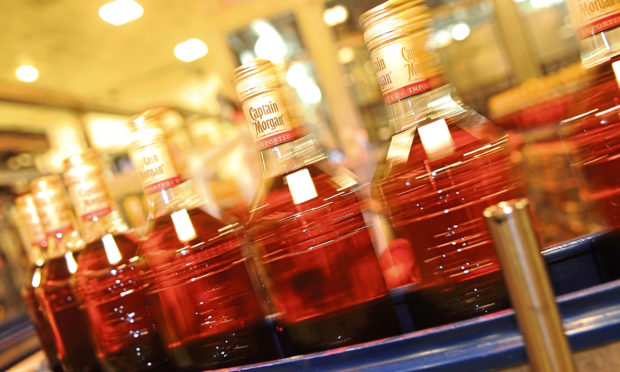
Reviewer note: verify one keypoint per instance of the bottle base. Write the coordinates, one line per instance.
(252, 344)
(439, 305)
(366, 322)
(146, 355)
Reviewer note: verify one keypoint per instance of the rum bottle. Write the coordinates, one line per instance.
(444, 165)
(36, 245)
(202, 300)
(307, 228)
(57, 290)
(110, 275)
(593, 128)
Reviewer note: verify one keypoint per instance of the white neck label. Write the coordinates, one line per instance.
(404, 68)
(268, 120)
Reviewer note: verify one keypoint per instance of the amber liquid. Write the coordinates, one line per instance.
(320, 264)
(67, 318)
(115, 298)
(597, 139)
(204, 303)
(41, 324)
(442, 247)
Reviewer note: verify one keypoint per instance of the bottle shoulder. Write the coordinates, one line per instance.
(190, 231)
(441, 147)
(316, 194)
(108, 251)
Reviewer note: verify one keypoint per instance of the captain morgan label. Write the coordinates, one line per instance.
(155, 167)
(404, 68)
(89, 199)
(269, 123)
(590, 17)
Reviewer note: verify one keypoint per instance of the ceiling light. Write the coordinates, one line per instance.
(269, 44)
(460, 31)
(335, 15)
(346, 55)
(190, 50)
(119, 12)
(27, 73)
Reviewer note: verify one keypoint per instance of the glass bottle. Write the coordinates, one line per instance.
(444, 165)
(110, 275)
(203, 299)
(37, 246)
(57, 290)
(594, 126)
(307, 228)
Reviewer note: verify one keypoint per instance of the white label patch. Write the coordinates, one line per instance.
(301, 186)
(436, 139)
(183, 225)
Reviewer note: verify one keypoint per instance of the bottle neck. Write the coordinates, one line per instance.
(95, 208)
(61, 243)
(96, 227)
(38, 253)
(288, 156)
(61, 231)
(600, 48)
(169, 200)
(596, 25)
(439, 102)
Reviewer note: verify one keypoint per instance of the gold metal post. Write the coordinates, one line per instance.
(528, 286)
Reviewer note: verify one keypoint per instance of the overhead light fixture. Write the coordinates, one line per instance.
(460, 31)
(269, 44)
(190, 50)
(346, 55)
(335, 15)
(27, 73)
(119, 12)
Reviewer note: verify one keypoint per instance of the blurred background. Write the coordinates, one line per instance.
(72, 74)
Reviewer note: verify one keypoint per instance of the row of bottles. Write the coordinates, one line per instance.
(301, 273)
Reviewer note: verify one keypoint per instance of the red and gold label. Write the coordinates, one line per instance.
(404, 68)
(56, 218)
(268, 120)
(155, 167)
(89, 199)
(593, 16)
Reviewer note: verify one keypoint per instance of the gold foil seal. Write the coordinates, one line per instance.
(29, 218)
(88, 193)
(264, 107)
(150, 154)
(52, 205)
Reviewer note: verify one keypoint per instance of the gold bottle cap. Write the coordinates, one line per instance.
(146, 127)
(81, 166)
(392, 20)
(255, 77)
(29, 217)
(259, 90)
(52, 206)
